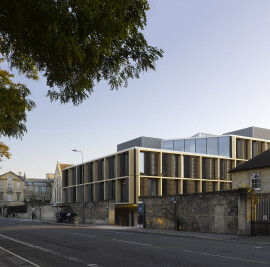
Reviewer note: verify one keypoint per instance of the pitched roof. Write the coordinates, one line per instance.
(261, 161)
(13, 174)
(63, 166)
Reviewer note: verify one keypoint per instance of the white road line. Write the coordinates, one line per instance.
(132, 242)
(84, 235)
(43, 249)
(18, 241)
(221, 256)
(110, 231)
(20, 257)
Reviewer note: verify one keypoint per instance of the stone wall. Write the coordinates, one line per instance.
(213, 212)
(99, 212)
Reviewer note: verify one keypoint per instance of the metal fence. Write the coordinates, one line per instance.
(260, 213)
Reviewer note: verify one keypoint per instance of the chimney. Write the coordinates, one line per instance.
(20, 173)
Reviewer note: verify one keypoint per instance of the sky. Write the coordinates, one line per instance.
(213, 78)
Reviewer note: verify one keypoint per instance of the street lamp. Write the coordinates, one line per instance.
(75, 150)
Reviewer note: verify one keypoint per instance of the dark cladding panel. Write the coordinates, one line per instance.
(148, 142)
(111, 167)
(124, 164)
(101, 169)
(65, 180)
(261, 133)
(74, 176)
(255, 132)
(124, 187)
(100, 192)
(242, 132)
(111, 190)
(90, 172)
(151, 142)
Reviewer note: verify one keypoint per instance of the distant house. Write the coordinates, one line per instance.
(254, 173)
(57, 183)
(11, 190)
(38, 189)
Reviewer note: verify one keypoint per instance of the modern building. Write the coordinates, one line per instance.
(180, 166)
(11, 190)
(254, 173)
(38, 189)
(57, 183)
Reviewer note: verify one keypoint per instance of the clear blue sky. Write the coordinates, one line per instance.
(214, 78)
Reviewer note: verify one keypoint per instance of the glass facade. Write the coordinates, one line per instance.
(201, 145)
(212, 145)
(168, 145)
(190, 145)
(179, 145)
(224, 146)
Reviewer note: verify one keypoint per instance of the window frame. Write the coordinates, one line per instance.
(255, 176)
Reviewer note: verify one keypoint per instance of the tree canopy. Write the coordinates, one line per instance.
(75, 45)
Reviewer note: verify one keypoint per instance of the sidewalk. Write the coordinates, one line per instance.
(262, 240)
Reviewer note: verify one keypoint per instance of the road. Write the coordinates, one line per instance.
(27, 243)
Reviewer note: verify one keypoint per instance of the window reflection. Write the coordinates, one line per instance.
(179, 145)
(201, 145)
(190, 145)
(168, 145)
(224, 146)
(212, 146)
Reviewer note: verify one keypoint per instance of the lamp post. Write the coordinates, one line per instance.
(75, 150)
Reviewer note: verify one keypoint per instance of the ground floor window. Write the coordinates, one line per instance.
(255, 180)
(18, 197)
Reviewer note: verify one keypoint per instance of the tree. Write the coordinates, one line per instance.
(74, 44)
(13, 107)
(4, 151)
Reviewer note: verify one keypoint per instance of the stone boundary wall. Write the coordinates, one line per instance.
(213, 212)
(99, 212)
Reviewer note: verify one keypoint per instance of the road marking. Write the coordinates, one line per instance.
(111, 231)
(20, 257)
(84, 235)
(43, 249)
(221, 256)
(132, 242)
(18, 241)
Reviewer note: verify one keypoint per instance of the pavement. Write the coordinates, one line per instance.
(260, 240)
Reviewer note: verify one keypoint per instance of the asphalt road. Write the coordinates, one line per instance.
(27, 243)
